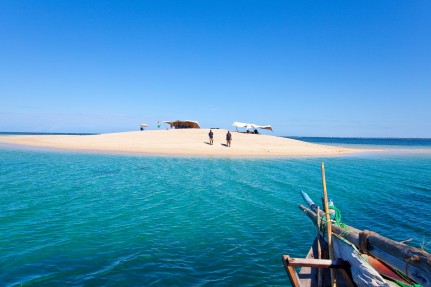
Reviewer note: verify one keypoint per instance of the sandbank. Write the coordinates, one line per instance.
(182, 142)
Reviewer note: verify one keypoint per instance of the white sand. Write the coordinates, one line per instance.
(187, 142)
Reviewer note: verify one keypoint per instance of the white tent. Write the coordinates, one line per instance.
(183, 124)
(249, 126)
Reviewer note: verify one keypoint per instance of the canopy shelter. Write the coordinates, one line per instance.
(249, 126)
(183, 124)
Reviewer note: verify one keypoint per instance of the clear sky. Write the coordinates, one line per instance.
(308, 68)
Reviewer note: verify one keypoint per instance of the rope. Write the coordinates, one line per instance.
(335, 215)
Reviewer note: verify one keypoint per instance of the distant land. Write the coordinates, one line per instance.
(180, 142)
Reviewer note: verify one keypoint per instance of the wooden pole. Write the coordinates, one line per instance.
(319, 250)
(328, 225)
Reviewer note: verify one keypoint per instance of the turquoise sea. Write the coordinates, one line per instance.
(80, 219)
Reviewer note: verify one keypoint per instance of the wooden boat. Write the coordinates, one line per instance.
(359, 258)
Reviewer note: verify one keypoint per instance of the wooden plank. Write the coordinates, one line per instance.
(307, 275)
(318, 263)
(291, 272)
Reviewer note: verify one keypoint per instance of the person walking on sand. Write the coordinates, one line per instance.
(211, 135)
(228, 138)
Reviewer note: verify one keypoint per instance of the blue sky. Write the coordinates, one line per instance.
(308, 68)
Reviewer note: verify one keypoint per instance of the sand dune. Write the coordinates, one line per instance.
(186, 142)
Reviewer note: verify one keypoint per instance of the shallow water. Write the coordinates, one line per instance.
(76, 219)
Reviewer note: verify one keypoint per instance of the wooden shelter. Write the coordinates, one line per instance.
(183, 124)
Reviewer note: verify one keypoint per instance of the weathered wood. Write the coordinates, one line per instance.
(416, 270)
(411, 261)
(318, 263)
(307, 275)
(416, 264)
(383, 269)
(319, 249)
(291, 272)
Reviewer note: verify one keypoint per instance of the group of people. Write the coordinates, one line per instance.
(228, 138)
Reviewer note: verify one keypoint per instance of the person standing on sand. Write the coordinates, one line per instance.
(228, 138)
(211, 135)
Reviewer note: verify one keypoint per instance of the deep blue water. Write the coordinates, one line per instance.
(76, 219)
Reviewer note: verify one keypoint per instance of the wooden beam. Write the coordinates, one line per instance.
(317, 263)
(291, 272)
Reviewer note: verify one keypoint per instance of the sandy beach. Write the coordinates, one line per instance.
(183, 142)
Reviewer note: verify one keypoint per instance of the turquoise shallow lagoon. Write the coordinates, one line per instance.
(76, 219)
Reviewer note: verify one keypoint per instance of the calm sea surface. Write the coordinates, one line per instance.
(387, 143)
(77, 219)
